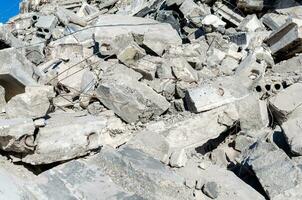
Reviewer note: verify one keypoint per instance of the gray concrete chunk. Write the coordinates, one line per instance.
(275, 170)
(142, 174)
(17, 135)
(131, 100)
(16, 72)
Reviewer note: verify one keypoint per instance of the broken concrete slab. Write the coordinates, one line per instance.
(151, 143)
(66, 16)
(144, 176)
(34, 103)
(51, 147)
(207, 97)
(286, 40)
(282, 105)
(7, 39)
(226, 13)
(131, 54)
(178, 158)
(251, 5)
(293, 193)
(178, 137)
(131, 100)
(253, 113)
(83, 176)
(147, 66)
(289, 66)
(251, 23)
(243, 141)
(274, 169)
(273, 20)
(194, 12)
(230, 187)
(17, 135)
(291, 129)
(102, 60)
(108, 27)
(182, 70)
(16, 72)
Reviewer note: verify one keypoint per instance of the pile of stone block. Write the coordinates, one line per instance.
(151, 99)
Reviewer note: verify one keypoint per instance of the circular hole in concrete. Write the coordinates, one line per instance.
(258, 88)
(284, 84)
(46, 30)
(40, 30)
(268, 87)
(34, 17)
(277, 86)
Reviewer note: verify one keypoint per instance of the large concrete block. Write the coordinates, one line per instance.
(17, 135)
(292, 129)
(34, 103)
(253, 113)
(227, 13)
(159, 36)
(228, 184)
(286, 41)
(194, 132)
(78, 179)
(141, 174)
(130, 99)
(66, 136)
(274, 169)
(207, 97)
(286, 101)
(45, 25)
(251, 5)
(16, 72)
(182, 70)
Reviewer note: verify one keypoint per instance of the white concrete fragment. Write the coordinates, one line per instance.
(183, 70)
(17, 135)
(65, 137)
(288, 100)
(213, 20)
(178, 158)
(34, 103)
(207, 97)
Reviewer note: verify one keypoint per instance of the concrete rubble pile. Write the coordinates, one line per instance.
(151, 99)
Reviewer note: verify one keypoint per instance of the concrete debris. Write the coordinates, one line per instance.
(275, 171)
(251, 5)
(16, 72)
(273, 20)
(281, 107)
(131, 99)
(207, 97)
(211, 190)
(286, 40)
(250, 24)
(17, 135)
(34, 103)
(151, 99)
(253, 113)
(291, 129)
(178, 158)
(183, 70)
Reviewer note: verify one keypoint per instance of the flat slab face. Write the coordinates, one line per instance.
(274, 169)
(130, 99)
(109, 27)
(289, 99)
(78, 180)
